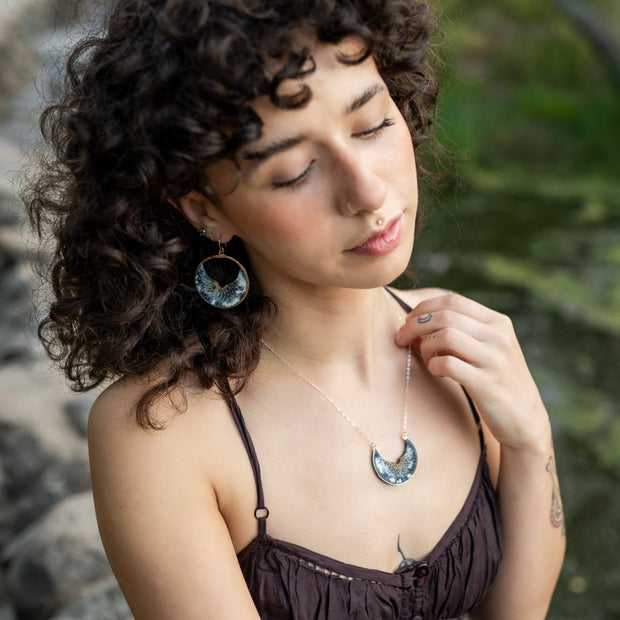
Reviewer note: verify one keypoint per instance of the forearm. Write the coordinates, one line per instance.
(533, 534)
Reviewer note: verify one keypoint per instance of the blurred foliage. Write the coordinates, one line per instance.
(528, 222)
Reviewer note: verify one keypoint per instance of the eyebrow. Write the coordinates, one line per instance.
(364, 98)
(263, 154)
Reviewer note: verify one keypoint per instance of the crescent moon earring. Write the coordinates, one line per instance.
(221, 280)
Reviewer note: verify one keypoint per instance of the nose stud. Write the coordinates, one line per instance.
(379, 221)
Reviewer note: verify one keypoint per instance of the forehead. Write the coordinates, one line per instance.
(337, 89)
(332, 82)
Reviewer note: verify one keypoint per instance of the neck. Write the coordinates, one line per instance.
(347, 328)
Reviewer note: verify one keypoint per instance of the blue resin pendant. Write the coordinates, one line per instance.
(399, 472)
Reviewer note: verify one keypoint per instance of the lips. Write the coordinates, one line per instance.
(381, 242)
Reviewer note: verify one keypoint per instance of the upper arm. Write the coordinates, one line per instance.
(158, 515)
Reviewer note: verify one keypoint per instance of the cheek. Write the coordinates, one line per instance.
(404, 146)
(405, 167)
(280, 220)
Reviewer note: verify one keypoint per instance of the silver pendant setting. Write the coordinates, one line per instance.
(400, 471)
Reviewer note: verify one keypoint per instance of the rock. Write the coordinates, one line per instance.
(21, 24)
(55, 560)
(6, 609)
(24, 457)
(16, 54)
(77, 410)
(12, 242)
(50, 551)
(15, 348)
(104, 601)
(34, 397)
(8, 207)
(60, 479)
(42, 458)
(7, 518)
(7, 613)
(16, 285)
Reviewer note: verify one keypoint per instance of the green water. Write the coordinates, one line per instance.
(528, 222)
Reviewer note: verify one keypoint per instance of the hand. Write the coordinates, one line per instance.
(477, 347)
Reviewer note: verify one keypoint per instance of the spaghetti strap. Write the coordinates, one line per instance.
(476, 416)
(407, 308)
(261, 512)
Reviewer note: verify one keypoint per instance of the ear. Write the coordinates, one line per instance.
(204, 215)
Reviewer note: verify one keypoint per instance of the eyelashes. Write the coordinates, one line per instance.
(368, 134)
(375, 131)
(295, 182)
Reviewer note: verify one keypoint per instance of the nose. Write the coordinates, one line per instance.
(360, 187)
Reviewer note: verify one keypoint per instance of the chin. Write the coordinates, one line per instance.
(387, 271)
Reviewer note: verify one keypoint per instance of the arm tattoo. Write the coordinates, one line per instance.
(405, 561)
(556, 514)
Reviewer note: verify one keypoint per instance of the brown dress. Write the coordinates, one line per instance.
(290, 582)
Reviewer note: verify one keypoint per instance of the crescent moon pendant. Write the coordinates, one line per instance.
(400, 471)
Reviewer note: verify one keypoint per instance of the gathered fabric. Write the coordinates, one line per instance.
(290, 582)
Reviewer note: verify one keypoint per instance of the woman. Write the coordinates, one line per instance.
(234, 186)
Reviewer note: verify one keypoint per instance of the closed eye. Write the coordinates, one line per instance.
(375, 131)
(296, 181)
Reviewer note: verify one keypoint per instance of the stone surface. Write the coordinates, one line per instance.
(52, 562)
(55, 559)
(24, 457)
(14, 295)
(32, 396)
(77, 410)
(8, 209)
(60, 479)
(22, 24)
(4, 597)
(101, 602)
(7, 613)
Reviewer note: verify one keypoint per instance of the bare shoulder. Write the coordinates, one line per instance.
(156, 498)
(113, 429)
(187, 421)
(116, 405)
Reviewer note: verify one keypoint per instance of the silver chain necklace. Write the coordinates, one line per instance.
(388, 471)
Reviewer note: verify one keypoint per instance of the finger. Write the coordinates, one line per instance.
(425, 324)
(453, 342)
(454, 302)
(455, 368)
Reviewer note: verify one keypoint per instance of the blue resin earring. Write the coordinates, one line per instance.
(221, 280)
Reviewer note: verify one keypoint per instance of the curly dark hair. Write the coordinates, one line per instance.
(147, 107)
